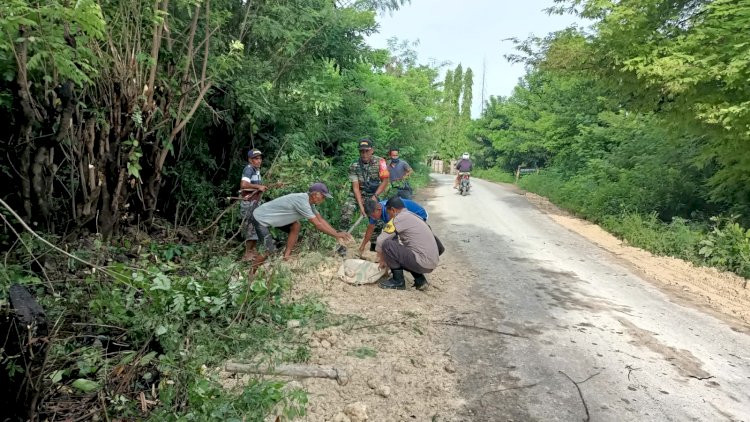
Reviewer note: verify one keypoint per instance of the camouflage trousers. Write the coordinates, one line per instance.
(350, 213)
(246, 211)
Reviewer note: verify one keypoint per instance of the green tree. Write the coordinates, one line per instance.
(466, 99)
(685, 59)
(112, 101)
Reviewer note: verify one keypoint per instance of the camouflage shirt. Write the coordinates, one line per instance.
(369, 174)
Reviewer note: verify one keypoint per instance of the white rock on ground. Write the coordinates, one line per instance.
(357, 412)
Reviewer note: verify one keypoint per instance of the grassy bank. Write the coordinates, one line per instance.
(719, 242)
(140, 335)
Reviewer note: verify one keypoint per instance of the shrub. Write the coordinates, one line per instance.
(727, 246)
(494, 174)
(143, 335)
(679, 239)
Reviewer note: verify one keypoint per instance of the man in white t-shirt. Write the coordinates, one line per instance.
(285, 212)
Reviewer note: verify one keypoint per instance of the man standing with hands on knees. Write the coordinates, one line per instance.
(407, 243)
(285, 212)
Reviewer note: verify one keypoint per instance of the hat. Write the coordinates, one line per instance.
(254, 153)
(365, 144)
(320, 187)
(370, 206)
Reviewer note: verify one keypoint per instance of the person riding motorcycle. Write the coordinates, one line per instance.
(464, 165)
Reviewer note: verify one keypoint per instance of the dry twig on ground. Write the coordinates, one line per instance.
(580, 394)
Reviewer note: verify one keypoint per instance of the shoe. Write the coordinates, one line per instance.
(395, 282)
(372, 247)
(420, 281)
(341, 251)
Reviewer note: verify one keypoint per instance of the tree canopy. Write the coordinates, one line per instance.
(650, 97)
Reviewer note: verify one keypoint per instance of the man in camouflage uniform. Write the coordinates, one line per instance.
(369, 176)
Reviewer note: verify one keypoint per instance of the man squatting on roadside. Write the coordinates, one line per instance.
(406, 243)
(376, 211)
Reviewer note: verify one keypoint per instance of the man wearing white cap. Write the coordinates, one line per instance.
(285, 212)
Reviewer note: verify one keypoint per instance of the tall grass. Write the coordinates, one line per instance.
(622, 207)
(494, 175)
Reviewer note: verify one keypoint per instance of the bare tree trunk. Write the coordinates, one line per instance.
(31, 117)
(154, 185)
(155, 46)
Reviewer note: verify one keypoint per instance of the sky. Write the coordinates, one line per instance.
(470, 32)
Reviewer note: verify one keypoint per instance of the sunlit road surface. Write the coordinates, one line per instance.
(595, 341)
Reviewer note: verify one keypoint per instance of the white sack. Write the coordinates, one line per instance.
(359, 271)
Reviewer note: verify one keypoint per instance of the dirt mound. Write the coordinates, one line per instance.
(388, 345)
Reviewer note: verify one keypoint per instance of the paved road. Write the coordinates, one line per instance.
(587, 323)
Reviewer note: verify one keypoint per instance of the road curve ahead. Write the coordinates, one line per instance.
(595, 341)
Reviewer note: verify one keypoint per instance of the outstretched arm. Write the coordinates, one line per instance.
(323, 226)
(324, 221)
(368, 235)
(382, 187)
(247, 186)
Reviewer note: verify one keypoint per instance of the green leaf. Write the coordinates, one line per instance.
(127, 358)
(56, 376)
(145, 360)
(87, 386)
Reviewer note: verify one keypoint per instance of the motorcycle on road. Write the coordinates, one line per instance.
(464, 184)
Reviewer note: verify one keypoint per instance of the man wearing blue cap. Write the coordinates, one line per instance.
(251, 190)
(285, 212)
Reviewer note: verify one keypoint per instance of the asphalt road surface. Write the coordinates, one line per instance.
(590, 339)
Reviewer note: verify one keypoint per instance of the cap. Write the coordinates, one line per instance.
(370, 206)
(320, 187)
(254, 153)
(365, 144)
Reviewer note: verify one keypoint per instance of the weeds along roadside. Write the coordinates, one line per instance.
(142, 336)
(139, 333)
(719, 241)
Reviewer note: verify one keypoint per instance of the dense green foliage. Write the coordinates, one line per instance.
(121, 111)
(640, 122)
(125, 118)
(140, 330)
